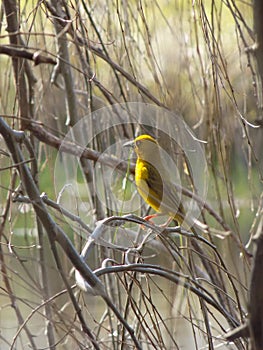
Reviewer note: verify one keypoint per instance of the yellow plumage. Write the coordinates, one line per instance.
(153, 180)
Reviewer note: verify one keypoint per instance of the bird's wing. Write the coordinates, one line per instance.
(154, 181)
(171, 199)
(162, 189)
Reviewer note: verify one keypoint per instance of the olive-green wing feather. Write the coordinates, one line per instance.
(163, 191)
(154, 180)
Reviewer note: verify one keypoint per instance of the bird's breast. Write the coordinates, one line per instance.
(142, 181)
(141, 177)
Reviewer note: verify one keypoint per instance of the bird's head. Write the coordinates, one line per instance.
(145, 146)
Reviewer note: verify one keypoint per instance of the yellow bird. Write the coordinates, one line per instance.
(153, 180)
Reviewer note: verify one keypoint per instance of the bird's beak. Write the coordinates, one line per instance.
(129, 144)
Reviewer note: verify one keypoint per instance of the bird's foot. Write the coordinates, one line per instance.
(165, 225)
(149, 217)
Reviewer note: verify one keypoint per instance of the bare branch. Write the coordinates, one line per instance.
(37, 57)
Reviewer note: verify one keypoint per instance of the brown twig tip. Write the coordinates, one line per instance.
(39, 58)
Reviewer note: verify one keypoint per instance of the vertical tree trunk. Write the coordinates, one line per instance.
(256, 285)
(13, 27)
(258, 30)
